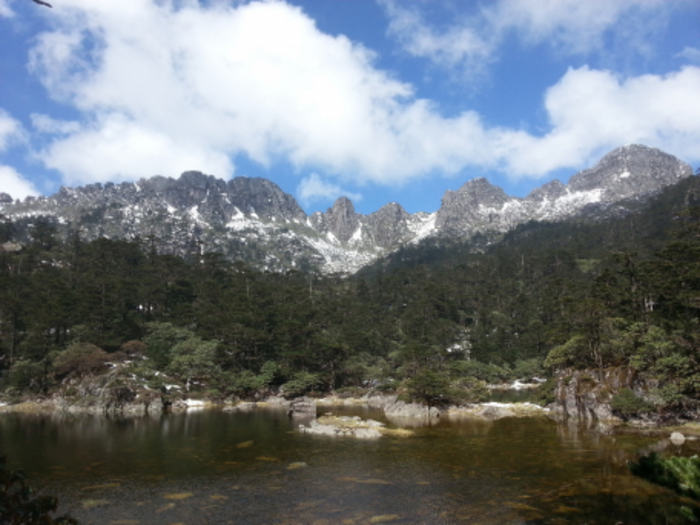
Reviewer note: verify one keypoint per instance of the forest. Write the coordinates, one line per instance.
(438, 320)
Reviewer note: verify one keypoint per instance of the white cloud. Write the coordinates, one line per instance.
(593, 111)
(692, 54)
(568, 26)
(11, 182)
(10, 130)
(465, 43)
(117, 149)
(46, 124)
(5, 9)
(163, 89)
(313, 188)
(14, 184)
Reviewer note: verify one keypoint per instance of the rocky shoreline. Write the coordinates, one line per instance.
(396, 411)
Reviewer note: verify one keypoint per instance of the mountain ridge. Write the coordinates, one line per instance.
(254, 220)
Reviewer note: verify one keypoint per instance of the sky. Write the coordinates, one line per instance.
(377, 100)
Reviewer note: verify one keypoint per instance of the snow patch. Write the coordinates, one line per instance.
(423, 228)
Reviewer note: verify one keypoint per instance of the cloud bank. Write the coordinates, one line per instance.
(163, 87)
(313, 188)
(12, 182)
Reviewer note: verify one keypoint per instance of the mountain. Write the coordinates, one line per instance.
(252, 219)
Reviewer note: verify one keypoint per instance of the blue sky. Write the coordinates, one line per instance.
(378, 100)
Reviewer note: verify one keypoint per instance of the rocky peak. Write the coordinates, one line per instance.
(5, 198)
(264, 197)
(388, 225)
(549, 192)
(342, 220)
(474, 207)
(631, 171)
(478, 192)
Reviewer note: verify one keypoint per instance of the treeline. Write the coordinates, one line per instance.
(439, 317)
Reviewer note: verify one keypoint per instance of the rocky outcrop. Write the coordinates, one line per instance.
(302, 407)
(587, 395)
(400, 409)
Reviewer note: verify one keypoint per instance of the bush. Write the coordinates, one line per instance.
(528, 369)
(134, 349)
(546, 391)
(27, 375)
(300, 384)
(430, 387)
(18, 504)
(80, 359)
(488, 372)
(627, 404)
(469, 390)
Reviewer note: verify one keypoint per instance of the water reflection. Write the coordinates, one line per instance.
(213, 467)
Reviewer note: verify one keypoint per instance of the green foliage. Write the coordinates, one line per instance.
(20, 506)
(80, 359)
(469, 390)
(194, 360)
(680, 474)
(246, 383)
(627, 404)
(568, 354)
(161, 338)
(301, 383)
(488, 372)
(528, 369)
(620, 292)
(430, 387)
(546, 392)
(27, 376)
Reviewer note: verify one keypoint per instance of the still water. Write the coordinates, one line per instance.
(253, 468)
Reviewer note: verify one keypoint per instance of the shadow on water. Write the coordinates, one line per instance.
(253, 468)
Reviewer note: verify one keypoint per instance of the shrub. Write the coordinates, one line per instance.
(134, 349)
(627, 403)
(27, 375)
(546, 391)
(80, 359)
(469, 390)
(300, 384)
(18, 504)
(680, 474)
(528, 369)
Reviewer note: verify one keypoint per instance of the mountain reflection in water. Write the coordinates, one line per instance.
(253, 468)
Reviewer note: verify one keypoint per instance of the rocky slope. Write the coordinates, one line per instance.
(254, 220)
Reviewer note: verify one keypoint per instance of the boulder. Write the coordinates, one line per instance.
(410, 410)
(677, 438)
(303, 407)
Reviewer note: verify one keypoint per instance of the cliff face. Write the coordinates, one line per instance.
(586, 396)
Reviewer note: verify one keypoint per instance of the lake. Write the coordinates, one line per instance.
(254, 468)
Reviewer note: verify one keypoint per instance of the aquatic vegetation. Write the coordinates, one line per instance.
(18, 504)
(384, 518)
(179, 496)
(92, 503)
